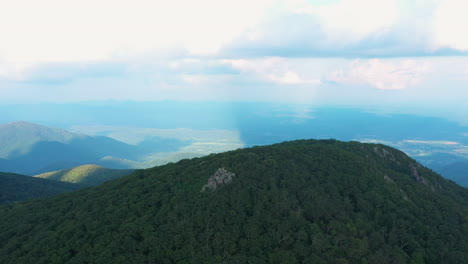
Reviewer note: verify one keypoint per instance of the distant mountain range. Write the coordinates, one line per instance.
(33, 149)
(305, 201)
(30, 149)
(15, 187)
(85, 175)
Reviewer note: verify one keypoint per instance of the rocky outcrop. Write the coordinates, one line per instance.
(388, 179)
(405, 196)
(418, 177)
(220, 177)
(384, 154)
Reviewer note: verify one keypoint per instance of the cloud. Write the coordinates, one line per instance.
(270, 50)
(276, 70)
(431, 142)
(53, 31)
(272, 79)
(201, 79)
(14, 72)
(450, 25)
(433, 82)
(59, 73)
(290, 77)
(354, 18)
(64, 31)
(383, 75)
(353, 29)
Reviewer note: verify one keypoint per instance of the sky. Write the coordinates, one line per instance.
(397, 54)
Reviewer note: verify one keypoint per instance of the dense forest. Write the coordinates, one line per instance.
(15, 187)
(306, 201)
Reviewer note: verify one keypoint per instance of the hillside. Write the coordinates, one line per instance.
(14, 187)
(303, 201)
(87, 175)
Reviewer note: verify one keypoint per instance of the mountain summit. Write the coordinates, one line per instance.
(17, 138)
(304, 201)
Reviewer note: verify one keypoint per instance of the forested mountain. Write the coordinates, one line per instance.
(87, 175)
(14, 187)
(304, 201)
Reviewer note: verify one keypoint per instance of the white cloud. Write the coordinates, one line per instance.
(355, 18)
(353, 28)
(441, 81)
(90, 30)
(52, 31)
(450, 25)
(431, 142)
(43, 43)
(289, 77)
(382, 74)
(14, 72)
(201, 79)
(276, 70)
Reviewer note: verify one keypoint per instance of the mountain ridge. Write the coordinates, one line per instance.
(17, 136)
(306, 201)
(29, 148)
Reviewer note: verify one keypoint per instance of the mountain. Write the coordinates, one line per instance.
(249, 124)
(18, 137)
(14, 187)
(87, 175)
(305, 201)
(33, 149)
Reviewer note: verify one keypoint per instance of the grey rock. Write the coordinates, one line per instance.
(418, 177)
(385, 154)
(220, 177)
(388, 179)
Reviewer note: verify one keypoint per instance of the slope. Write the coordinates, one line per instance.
(88, 175)
(14, 187)
(295, 202)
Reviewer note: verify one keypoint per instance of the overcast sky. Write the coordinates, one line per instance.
(332, 52)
